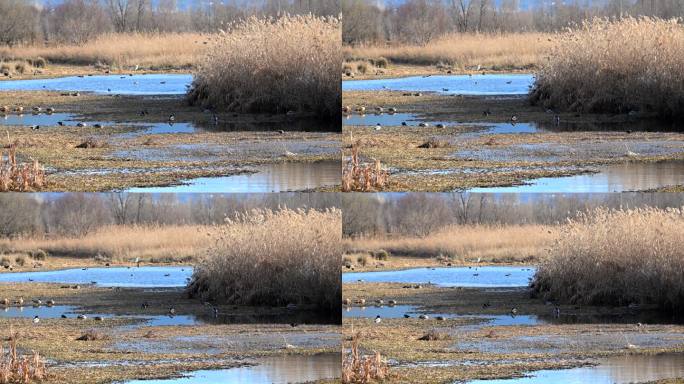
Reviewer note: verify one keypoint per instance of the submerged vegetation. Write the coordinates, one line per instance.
(277, 258)
(286, 64)
(618, 257)
(633, 65)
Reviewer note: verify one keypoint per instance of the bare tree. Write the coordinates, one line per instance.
(119, 11)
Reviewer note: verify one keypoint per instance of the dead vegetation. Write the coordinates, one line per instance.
(15, 177)
(284, 65)
(274, 258)
(628, 66)
(618, 257)
(18, 369)
(357, 177)
(358, 369)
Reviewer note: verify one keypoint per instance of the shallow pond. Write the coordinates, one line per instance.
(611, 178)
(269, 370)
(109, 277)
(491, 276)
(499, 84)
(283, 177)
(613, 370)
(152, 84)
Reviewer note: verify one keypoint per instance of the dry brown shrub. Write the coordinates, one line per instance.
(290, 63)
(275, 258)
(618, 257)
(634, 64)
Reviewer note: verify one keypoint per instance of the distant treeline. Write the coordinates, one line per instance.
(419, 21)
(422, 213)
(77, 21)
(77, 214)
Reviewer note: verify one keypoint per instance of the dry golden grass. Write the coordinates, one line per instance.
(618, 257)
(274, 65)
(467, 243)
(120, 242)
(15, 369)
(357, 369)
(463, 51)
(616, 66)
(147, 50)
(15, 177)
(274, 258)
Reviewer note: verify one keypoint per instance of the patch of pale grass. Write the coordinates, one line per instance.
(491, 51)
(510, 243)
(616, 66)
(121, 242)
(274, 258)
(618, 257)
(147, 50)
(290, 63)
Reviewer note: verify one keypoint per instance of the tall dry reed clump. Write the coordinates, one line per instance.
(16, 369)
(273, 65)
(616, 66)
(357, 177)
(274, 258)
(618, 257)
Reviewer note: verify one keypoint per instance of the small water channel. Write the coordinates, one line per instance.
(140, 277)
(488, 84)
(124, 84)
(282, 177)
(610, 178)
(489, 276)
(612, 370)
(269, 370)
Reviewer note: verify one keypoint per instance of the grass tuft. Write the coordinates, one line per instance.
(15, 368)
(357, 177)
(358, 369)
(15, 177)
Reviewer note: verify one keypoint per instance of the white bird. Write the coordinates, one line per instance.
(36, 320)
(377, 319)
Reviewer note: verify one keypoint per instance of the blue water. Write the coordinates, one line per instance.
(455, 84)
(613, 370)
(269, 178)
(449, 277)
(269, 370)
(174, 84)
(611, 178)
(108, 277)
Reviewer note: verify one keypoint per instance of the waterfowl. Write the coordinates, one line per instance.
(361, 301)
(37, 109)
(557, 119)
(379, 302)
(215, 311)
(407, 316)
(35, 127)
(36, 319)
(378, 127)
(280, 131)
(64, 316)
(379, 109)
(81, 125)
(172, 117)
(361, 109)
(98, 318)
(50, 110)
(144, 305)
(5, 301)
(172, 311)
(556, 312)
(50, 303)
(82, 317)
(392, 302)
(60, 123)
(423, 125)
(403, 123)
(514, 118)
(423, 317)
(347, 301)
(346, 109)
(20, 301)
(75, 94)
(486, 112)
(19, 109)
(392, 110)
(377, 319)
(37, 302)
(440, 318)
(97, 125)
(4, 108)
(514, 311)
(508, 82)
(439, 125)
